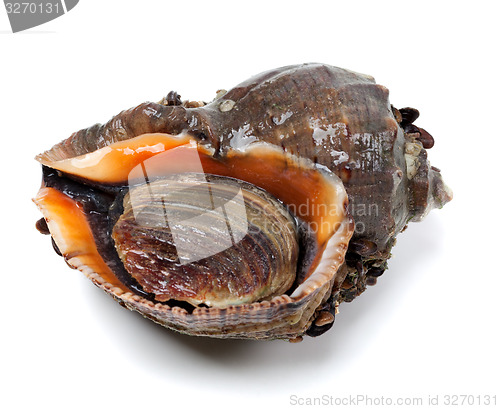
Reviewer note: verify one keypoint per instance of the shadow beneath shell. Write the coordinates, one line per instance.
(169, 354)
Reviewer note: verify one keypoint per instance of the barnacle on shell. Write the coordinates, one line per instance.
(252, 216)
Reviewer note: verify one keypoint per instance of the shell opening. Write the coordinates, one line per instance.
(145, 167)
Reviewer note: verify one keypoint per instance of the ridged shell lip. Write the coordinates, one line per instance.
(316, 196)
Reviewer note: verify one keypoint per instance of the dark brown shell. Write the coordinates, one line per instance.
(337, 119)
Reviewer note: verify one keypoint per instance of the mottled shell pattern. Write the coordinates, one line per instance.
(317, 152)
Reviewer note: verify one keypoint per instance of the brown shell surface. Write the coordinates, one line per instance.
(334, 117)
(337, 119)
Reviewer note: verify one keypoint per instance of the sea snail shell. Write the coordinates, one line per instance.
(231, 219)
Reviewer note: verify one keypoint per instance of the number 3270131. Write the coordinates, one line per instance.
(32, 8)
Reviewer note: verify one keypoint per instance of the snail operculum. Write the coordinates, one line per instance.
(207, 239)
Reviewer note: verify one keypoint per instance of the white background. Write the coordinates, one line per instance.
(429, 327)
